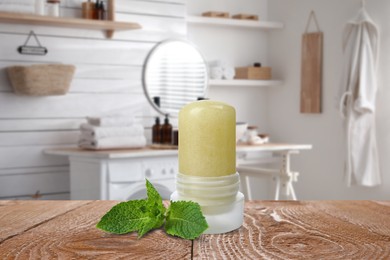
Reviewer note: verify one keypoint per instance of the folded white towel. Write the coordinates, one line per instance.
(114, 142)
(96, 132)
(228, 73)
(218, 63)
(17, 9)
(111, 121)
(216, 73)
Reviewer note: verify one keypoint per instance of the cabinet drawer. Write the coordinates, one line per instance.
(28, 184)
(160, 168)
(125, 171)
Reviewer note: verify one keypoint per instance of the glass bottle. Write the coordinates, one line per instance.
(40, 7)
(166, 131)
(96, 10)
(53, 8)
(251, 133)
(101, 11)
(175, 140)
(156, 132)
(88, 9)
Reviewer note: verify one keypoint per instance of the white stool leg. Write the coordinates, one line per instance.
(277, 190)
(286, 178)
(292, 192)
(248, 188)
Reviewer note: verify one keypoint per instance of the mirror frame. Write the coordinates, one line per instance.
(144, 73)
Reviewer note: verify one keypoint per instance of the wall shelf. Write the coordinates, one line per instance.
(31, 19)
(234, 22)
(244, 83)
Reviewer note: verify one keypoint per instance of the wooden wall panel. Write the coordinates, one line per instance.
(10, 139)
(70, 105)
(29, 156)
(151, 8)
(32, 125)
(51, 182)
(78, 51)
(33, 170)
(108, 80)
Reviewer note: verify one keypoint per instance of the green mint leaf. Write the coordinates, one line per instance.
(135, 215)
(148, 225)
(185, 220)
(125, 217)
(155, 205)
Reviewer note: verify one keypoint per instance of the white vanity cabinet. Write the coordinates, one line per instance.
(119, 174)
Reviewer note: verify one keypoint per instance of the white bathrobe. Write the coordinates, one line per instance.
(357, 100)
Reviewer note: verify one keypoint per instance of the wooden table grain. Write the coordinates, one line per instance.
(271, 230)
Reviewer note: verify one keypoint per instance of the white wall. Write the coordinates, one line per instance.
(322, 168)
(237, 47)
(107, 80)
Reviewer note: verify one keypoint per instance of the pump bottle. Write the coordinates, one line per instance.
(156, 132)
(166, 131)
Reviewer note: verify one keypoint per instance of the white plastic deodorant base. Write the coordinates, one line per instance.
(223, 218)
(221, 202)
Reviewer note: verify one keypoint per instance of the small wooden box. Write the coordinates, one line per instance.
(216, 14)
(263, 73)
(252, 17)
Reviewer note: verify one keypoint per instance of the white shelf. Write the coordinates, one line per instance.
(244, 83)
(234, 22)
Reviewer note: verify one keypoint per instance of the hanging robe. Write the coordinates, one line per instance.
(357, 100)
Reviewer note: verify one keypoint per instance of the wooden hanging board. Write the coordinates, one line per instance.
(311, 69)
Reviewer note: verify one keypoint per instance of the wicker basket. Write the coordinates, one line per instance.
(41, 80)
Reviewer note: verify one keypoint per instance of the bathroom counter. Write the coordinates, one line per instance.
(151, 152)
(271, 229)
(96, 174)
(111, 153)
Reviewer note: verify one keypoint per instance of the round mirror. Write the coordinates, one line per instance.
(174, 75)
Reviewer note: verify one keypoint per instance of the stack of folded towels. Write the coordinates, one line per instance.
(17, 6)
(221, 70)
(111, 133)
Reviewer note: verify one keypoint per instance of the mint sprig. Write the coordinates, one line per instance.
(182, 218)
(185, 219)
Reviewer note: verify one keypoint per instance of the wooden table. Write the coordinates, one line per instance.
(271, 230)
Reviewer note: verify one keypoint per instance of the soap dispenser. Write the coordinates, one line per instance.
(156, 132)
(166, 131)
